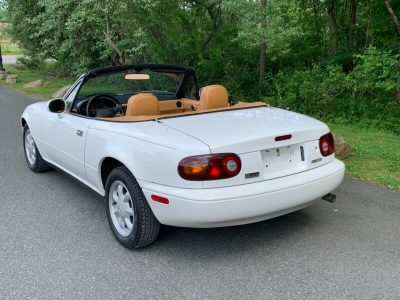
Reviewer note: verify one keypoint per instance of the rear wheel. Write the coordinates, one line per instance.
(130, 216)
(33, 158)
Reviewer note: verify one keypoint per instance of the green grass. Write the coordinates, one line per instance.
(8, 48)
(51, 83)
(375, 154)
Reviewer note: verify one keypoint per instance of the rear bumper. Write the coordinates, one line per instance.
(242, 204)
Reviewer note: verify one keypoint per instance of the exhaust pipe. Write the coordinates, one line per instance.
(329, 197)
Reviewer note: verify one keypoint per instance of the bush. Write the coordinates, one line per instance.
(366, 94)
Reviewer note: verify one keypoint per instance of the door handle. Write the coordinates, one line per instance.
(79, 132)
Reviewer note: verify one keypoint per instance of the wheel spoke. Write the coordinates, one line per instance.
(121, 222)
(31, 142)
(127, 197)
(128, 223)
(120, 191)
(129, 211)
(115, 196)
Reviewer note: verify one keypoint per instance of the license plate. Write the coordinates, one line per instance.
(281, 158)
(281, 155)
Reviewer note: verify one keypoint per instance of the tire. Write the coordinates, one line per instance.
(32, 155)
(128, 213)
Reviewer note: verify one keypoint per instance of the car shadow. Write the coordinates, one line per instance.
(220, 242)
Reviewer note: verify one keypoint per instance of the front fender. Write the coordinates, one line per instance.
(33, 116)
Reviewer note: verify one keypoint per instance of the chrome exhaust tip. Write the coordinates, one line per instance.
(329, 197)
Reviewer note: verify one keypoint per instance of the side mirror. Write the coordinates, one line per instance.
(56, 105)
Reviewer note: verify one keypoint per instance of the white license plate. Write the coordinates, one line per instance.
(281, 158)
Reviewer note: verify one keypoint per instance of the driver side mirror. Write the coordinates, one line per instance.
(56, 105)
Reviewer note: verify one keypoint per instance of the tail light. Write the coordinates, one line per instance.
(209, 167)
(326, 144)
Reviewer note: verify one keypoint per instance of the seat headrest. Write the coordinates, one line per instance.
(213, 96)
(142, 105)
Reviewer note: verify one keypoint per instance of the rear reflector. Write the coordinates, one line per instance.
(283, 137)
(159, 199)
(326, 144)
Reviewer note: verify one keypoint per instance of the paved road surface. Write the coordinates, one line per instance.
(10, 59)
(55, 243)
(13, 59)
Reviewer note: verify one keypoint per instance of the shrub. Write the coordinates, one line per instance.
(366, 94)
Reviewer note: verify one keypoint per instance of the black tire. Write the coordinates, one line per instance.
(38, 164)
(145, 227)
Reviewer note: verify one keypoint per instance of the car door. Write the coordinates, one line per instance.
(65, 136)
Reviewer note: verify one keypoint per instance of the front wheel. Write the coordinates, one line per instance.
(128, 213)
(33, 158)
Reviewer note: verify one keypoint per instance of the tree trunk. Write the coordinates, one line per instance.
(262, 61)
(333, 25)
(397, 23)
(352, 25)
(369, 24)
(317, 29)
(119, 55)
(1, 61)
(263, 45)
(393, 16)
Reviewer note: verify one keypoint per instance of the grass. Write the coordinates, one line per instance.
(51, 83)
(8, 48)
(375, 154)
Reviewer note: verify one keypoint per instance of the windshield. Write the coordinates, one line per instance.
(125, 83)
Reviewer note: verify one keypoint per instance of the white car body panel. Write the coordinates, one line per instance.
(248, 130)
(151, 150)
(66, 148)
(242, 204)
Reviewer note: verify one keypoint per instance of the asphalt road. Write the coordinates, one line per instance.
(10, 59)
(55, 243)
(13, 59)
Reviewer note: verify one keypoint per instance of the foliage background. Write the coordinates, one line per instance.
(328, 58)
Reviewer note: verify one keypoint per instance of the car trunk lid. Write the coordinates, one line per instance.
(248, 130)
(254, 134)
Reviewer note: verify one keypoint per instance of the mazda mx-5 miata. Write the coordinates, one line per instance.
(162, 151)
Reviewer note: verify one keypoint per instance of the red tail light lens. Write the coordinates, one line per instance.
(209, 167)
(326, 144)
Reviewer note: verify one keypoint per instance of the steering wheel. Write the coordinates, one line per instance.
(103, 111)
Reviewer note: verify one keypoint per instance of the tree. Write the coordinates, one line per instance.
(331, 9)
(397, 24)
(263, 43)
(318, 56)
(352, 22)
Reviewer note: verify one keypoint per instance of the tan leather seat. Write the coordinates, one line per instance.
(142, 105)
(213, 96)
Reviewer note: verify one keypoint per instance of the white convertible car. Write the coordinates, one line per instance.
(161, 151)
